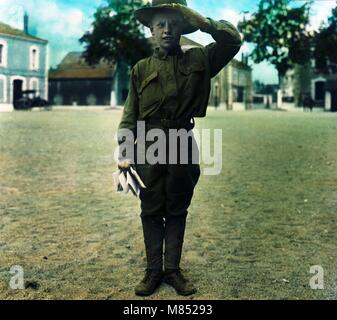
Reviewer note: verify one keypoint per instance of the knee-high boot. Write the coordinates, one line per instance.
(174, 238)
(153, 230)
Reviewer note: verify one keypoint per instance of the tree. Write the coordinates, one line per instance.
(325, 46)
(279, 33)
(116, 37)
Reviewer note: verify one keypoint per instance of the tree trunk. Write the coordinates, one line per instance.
(121, 81)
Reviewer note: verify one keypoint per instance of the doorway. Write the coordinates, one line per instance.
(17, 91)
(319, 90)
(334, 101)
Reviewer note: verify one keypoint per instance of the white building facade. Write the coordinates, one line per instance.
(23, 66)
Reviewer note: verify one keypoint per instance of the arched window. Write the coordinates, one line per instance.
(3, 53)
(34, 57)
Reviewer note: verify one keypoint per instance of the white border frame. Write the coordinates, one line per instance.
(31, 87)
(4, 79)
(4, 63)
(31, 81)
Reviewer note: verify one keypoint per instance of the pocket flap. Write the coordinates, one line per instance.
(145, 82)
(195, 67)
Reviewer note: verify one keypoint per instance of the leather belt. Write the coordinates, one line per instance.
(172, 124)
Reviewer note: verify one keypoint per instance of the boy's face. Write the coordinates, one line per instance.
(166, 29)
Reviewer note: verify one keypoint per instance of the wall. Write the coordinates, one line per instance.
(18, 65)
(232, 80)
(80, 92)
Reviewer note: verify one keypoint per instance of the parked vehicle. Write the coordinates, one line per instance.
(29, 99)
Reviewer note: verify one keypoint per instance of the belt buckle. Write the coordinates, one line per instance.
(165, 123)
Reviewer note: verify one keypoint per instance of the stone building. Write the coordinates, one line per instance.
(75, 82)
(232, 88)
(305, 80)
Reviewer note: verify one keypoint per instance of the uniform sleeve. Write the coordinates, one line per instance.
(131, 107)
(129, 118)
(227, 44)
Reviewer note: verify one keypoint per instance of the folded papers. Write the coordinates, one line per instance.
(128, 180)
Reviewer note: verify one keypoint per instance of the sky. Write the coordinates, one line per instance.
(63, 22)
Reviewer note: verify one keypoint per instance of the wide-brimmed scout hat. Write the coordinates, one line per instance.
(145, 15)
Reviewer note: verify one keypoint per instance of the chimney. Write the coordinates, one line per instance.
(25, 23)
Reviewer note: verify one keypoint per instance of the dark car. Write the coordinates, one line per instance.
(29, 99)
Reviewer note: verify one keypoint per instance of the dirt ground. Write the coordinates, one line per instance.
(253, 231)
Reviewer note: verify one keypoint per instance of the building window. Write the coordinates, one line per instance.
(3, 89)
(238, 93)
(34, 85)
(313, 63)
(34, 58)
(3, 53)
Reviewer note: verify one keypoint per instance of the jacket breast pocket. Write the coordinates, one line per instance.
(150, 91)
(193, 74)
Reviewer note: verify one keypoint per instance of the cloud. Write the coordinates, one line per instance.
(320, 12)
(230, 15)
(50, 17)
(60, 24)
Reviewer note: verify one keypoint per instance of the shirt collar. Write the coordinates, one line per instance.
(161, 54)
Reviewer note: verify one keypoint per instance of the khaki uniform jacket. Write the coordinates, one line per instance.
(177, 86)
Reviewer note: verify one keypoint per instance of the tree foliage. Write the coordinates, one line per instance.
(116, 36)
(279, 34)
(325, 45)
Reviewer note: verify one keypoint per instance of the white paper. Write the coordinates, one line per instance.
(123, 182)
(132, 184)
(139, 180)
(126, 181)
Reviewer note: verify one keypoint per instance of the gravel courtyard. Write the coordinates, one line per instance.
(253, 231)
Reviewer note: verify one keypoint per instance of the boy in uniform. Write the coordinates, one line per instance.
(167, 90)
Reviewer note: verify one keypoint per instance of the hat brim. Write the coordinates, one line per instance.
(145, 15)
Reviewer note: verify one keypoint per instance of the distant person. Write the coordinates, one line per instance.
(308, 103)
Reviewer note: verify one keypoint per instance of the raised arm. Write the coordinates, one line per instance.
(227, 44)
(227, 38)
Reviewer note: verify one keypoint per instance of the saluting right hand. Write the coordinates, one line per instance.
(192, 16)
